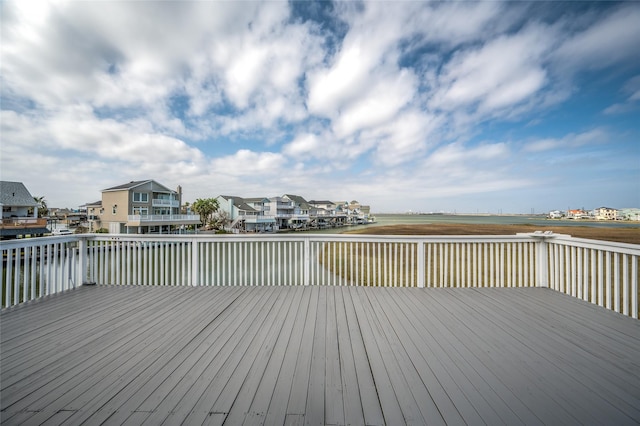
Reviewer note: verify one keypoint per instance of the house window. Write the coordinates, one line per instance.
(142, 211)
(140, 197)
(114, 210)
(101, 211)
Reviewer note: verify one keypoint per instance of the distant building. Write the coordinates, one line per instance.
(139, 207)
(577, 214)
(629, 214)
(606, 213)
(247, 215)
(556, 214)
(17, 221)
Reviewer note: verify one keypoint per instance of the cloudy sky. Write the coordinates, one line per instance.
(424, 106)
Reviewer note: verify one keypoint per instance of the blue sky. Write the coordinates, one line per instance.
(422, 106)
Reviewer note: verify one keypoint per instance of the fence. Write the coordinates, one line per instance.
(600, 272)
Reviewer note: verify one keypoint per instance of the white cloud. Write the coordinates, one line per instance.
(606, 42)
(405, 138)
(501, 73)
(261, 165)
(572, 140)
(380, 104)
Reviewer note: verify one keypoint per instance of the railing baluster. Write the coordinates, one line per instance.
(625, 284)
(9, 279)
(634, 286)
(616, 282)
(578, 272)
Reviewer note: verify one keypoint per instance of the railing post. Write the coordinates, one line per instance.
(81, 275)
(195, 263)
(542, 256)
(307, 262)
(421, 261)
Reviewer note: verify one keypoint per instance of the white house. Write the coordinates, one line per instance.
(17, 221)
(247, 215)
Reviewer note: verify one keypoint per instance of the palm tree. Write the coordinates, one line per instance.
(43, 210)
(205, 208)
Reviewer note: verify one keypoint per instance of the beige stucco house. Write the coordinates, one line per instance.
(139, 207)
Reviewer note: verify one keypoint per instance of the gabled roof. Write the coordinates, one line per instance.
(16, 194)
(239, 202)
(298, 200)
(321, 202)
(134, 184)
(256, 199)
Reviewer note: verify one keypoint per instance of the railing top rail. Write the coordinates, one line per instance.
(39, 241)
(314, 237)
(633, 249)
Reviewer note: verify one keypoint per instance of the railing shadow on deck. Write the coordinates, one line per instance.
(603, 273)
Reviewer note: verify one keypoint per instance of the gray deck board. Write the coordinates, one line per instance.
(317, 355)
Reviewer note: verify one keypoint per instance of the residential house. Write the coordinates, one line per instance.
(555, 214)
(94, 215)
(17, 221)
(65, 218)
(247, 215)
(629, 214)
(140, 207)
(577, 214)
(302, 212)
(606, 213)
(357, 214)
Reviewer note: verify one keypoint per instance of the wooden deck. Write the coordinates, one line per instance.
(317, 355)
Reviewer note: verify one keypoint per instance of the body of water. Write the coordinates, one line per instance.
(417, 219)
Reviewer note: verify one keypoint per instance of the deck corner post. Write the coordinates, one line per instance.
(421, 261)
(542, 257)
(543, 263)
(307, 262)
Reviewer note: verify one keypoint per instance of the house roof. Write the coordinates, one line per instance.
(256, 199)
(16, 194)
(321, 202)
(134, 184)
(239, 202)
(298, 200)
(94, 204)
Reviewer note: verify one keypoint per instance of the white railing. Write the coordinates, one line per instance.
(259, 218)
(163, 217)
(162, 202)
(36, 267)
(603, 273)
(600, 272)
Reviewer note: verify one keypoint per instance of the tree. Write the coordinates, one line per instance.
(205, 208)
(43, 210)
(220, 220)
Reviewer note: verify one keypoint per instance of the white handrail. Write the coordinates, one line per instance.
(603, 273)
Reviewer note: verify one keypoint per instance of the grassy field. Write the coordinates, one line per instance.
(629, 235)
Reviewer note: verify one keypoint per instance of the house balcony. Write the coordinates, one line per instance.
(22, 222)
(163, 219)
(13, 227)
(321, 329)
(258, 218)
(161, 202)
